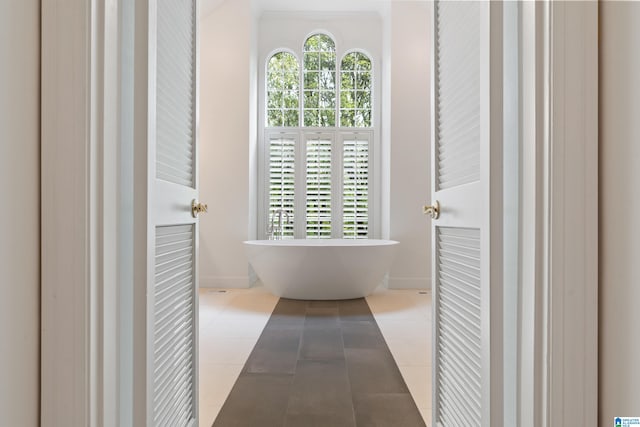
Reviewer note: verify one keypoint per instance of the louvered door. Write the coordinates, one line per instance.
(467, 237)
(169, 73)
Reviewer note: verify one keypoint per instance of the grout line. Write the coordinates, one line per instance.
(346, 368)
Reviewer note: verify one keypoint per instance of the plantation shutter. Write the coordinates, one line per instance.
(318, 187)
(282, 180)
(355, 187)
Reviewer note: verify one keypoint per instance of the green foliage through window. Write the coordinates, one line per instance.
(327, 96)
(283, 90)
(319, 102)
(355, 90)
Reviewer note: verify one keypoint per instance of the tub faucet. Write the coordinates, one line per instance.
(276, 231)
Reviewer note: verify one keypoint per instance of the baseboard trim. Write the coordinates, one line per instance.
(234, 282)
(409, 283)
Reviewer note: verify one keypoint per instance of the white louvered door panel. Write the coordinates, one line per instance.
(467, 238)
(175, 91)
(174, 369)
(459, 350)
(170, 364)
(458, 68)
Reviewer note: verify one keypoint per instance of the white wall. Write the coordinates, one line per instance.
(225, 46)
(409, 144)
(19, 212)
(619, 372)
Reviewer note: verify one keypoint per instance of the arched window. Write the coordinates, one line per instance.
(283, 94)
(322, 178)
(319, 84)
(355, 90)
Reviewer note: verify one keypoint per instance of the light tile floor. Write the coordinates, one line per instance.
(231, 322)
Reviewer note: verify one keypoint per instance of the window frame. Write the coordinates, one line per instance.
(337, 133)
(336, 82)
(372, 96)
(265, 90)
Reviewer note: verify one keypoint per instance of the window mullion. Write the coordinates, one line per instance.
(337, 91)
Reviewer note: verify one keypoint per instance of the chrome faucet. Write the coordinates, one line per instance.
(276, 231)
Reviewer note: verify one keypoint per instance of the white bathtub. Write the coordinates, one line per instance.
(321, 269)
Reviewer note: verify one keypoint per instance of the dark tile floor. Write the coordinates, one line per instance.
(320, 364)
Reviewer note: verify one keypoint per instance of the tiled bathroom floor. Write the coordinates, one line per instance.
(232, 321)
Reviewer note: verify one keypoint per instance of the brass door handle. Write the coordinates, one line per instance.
(198, 208)
(433, 211)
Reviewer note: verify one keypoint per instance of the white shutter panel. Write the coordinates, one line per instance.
(282, 180)
(174, 394)
(355, 187)
(318, 185)
(175, 95)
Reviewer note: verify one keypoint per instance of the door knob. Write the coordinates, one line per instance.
(198, 208)
(433, 211)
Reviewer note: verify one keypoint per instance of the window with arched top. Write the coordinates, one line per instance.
(318, 141)
(355, 90)
(319, 83)
(283, 90)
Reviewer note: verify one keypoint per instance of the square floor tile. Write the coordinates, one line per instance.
(256, 400)
(373, 371)
(276, 352)
(321, 387)
(387, 410)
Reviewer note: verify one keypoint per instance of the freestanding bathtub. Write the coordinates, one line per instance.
(321, 269)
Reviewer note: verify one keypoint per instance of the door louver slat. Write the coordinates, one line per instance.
(458, 93)
(175, 114)
(458, 327)
(173, 332)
